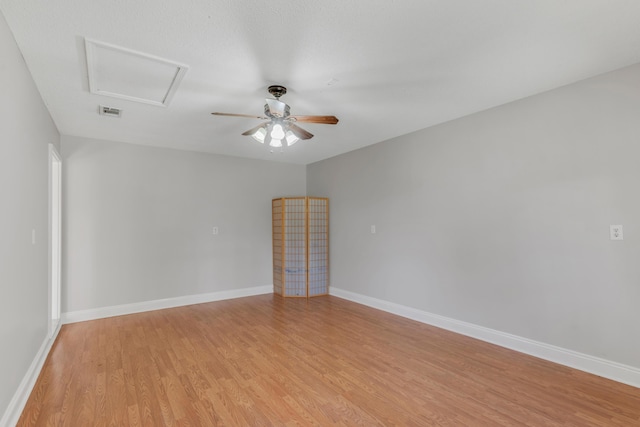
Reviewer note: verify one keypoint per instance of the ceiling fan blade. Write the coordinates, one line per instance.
(255, 129)
(277, 108)
(239, 115)
(299, 132)
(325, 120)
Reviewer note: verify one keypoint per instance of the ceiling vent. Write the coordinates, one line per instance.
(135, 76)
(109, 111)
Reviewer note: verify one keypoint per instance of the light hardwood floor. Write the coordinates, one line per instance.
(267, 361)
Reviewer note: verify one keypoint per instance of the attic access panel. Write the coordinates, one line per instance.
(135, 76)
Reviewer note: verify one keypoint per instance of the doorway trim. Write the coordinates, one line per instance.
(55, 239)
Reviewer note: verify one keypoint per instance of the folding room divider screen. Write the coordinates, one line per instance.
(300, 246)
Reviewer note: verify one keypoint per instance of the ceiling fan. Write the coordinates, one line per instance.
(281, 130)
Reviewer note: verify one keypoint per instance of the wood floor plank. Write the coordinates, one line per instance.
(268, 361)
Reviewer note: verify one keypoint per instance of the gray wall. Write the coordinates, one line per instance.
(501, 219)
(26, 129)
(138, 222)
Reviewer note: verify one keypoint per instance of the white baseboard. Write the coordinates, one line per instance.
(139, 307)
(584, 362)
(19, 400)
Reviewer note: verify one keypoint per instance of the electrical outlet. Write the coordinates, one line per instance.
(615, 232)
(373, 229)
(215, 230)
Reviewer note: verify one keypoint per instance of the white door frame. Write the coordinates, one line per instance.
(55, 237)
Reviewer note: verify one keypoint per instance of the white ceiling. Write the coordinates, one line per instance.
(383, 67)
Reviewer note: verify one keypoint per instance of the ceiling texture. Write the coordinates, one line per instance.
(383, 67)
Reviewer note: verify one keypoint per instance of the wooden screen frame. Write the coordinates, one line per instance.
(282, 284)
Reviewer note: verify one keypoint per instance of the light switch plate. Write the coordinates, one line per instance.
(615, 232)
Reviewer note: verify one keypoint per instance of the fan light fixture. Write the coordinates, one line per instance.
(276, 133)
(281, 129)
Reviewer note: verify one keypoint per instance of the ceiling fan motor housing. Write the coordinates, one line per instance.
(286, 111)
